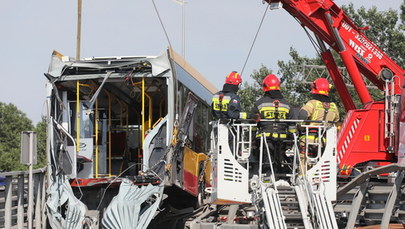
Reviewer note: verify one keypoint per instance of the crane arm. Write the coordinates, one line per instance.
(361, 56)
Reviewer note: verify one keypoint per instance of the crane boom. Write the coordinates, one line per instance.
(371, 134)
(331, 25)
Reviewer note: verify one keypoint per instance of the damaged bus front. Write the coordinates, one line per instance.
(114, 128)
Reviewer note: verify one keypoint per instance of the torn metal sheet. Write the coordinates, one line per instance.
(133, 207)
(61, 64)
(61, 199)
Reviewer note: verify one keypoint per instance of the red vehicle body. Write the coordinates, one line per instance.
(369, 136)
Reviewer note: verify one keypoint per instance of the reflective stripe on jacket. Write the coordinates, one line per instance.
(226, 105)
(316, 111)
(220, 103)
(270, 111)
(271, 108)
(273, 135)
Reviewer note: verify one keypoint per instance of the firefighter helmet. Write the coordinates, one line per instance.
(233, 78)
(321, 86)
(271, 82)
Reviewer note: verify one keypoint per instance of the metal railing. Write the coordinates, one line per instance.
(14, 199)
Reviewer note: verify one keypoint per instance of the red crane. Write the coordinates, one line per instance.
(370, 136)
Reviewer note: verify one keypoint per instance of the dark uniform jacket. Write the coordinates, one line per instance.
(226, 103)
(272, 106)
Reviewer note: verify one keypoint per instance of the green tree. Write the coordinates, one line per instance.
(12, 123)
(250, 92)
(40, 128)
(295, 85)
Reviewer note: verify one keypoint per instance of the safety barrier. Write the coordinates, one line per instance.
(14, 199)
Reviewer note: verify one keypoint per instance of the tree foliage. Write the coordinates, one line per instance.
(250, 92)
(12, 123)
(40, 128)
(295, 85)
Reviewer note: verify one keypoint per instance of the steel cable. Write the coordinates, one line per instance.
(161, 23)
(254, 40)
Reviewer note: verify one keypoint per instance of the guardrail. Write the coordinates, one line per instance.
(14, 199)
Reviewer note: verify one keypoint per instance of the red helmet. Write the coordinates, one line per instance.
(321, 86)
(233, 78)
(271, 82)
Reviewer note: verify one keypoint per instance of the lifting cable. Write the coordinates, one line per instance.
(161, 23)
(254, 40)
(313, 42)
(317, 48)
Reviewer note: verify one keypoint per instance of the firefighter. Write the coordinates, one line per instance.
(319, 108)
(273, 106)
(226, 103)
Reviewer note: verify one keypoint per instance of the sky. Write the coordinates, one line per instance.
(218, 36)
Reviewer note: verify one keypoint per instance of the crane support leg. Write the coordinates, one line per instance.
(354, 72)
(349, 62)
(338, 80)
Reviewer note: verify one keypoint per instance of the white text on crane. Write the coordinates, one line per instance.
(365, 44)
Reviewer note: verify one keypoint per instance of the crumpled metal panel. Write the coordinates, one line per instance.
(125, 211)
(60, 193)
(160, 64)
